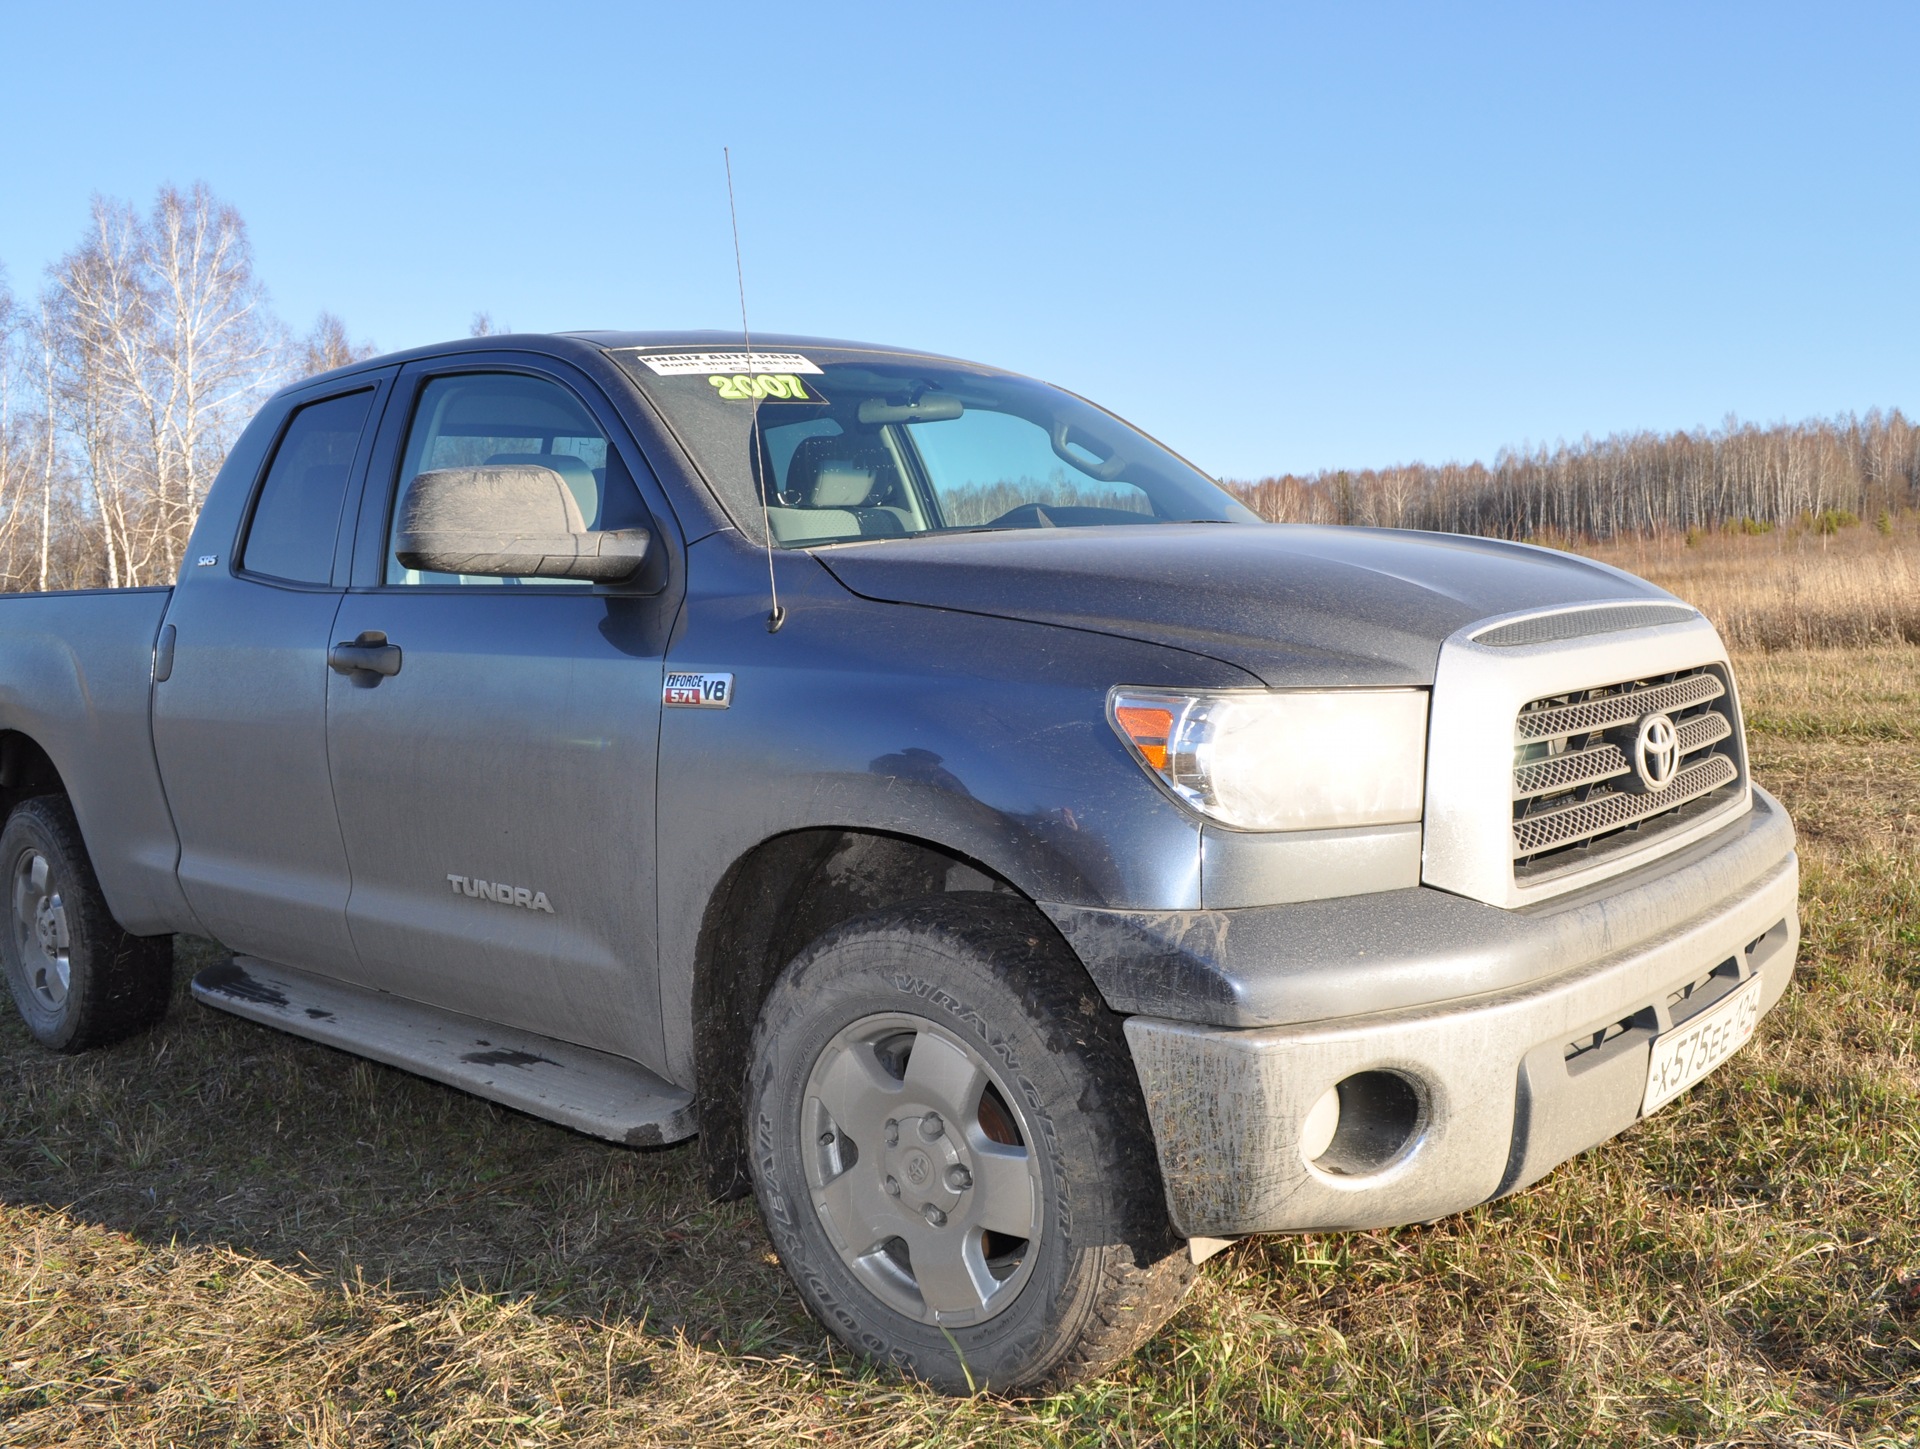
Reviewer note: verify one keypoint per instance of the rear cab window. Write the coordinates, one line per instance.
(296, 514)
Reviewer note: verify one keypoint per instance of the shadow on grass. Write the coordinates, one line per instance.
(211, 1131)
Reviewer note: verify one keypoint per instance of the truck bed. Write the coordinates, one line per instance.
(76, 677)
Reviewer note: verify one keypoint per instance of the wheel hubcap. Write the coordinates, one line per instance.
(920, 1170)
(40, 930)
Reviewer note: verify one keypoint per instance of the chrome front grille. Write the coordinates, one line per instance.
(1592, 780)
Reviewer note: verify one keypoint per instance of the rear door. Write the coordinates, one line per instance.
(239, 725)
(496, 794)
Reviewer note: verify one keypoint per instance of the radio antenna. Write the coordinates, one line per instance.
(777, 615)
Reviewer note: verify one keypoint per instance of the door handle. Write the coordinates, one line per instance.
(163, 655)
(370, 652)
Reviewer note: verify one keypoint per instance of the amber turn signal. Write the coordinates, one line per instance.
(1148, 729)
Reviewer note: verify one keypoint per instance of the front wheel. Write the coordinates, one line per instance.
(78, 979)
(951, 1151)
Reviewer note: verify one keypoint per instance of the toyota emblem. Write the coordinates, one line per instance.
(1656, 753)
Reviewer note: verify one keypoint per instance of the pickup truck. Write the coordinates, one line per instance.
(1026, 870)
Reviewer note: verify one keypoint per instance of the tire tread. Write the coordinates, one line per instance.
(130, 978)
(1142, 1271)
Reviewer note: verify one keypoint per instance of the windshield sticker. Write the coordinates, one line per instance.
(685, 364)
(767, 387)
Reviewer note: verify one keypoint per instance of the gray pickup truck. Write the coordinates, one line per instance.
(1025, 869)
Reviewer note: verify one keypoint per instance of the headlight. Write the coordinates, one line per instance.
(1283, 759)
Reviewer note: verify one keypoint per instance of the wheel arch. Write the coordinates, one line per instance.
(26, 770)
(774, 900)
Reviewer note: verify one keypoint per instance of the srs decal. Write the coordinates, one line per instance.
(504, 895)
(697, 691)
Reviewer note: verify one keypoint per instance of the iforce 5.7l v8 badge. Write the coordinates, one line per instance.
(697, 691)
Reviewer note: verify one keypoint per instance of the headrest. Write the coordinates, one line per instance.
(840, 472)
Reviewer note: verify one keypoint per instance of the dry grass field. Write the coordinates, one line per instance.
(220, 1235)
(1823, 584)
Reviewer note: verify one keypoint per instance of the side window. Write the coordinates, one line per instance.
(296, 518)
(474, 419)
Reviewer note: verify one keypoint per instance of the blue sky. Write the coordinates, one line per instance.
(1277, 237)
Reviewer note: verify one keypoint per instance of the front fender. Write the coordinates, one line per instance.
(987, 737)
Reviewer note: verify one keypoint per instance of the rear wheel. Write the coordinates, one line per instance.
(952, 1154)
(77, 978)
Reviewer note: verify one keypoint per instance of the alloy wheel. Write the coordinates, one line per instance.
(40, 930)
(919, 1162)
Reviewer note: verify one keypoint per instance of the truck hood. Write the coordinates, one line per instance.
(1292, 605)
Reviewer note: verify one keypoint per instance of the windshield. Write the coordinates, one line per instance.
(859, 445)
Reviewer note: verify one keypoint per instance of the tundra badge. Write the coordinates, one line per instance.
(505, 895)
(697, 691)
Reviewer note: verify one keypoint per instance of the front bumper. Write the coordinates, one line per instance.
(1510, 1082)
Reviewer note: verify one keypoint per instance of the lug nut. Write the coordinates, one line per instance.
(892, 1185)
(958, 1178)
(931, 1126)
(935, 1217)
(893, 1133)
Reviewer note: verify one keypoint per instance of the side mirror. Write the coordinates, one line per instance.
(514, 520)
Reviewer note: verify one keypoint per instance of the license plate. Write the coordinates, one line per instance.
(1686, 1054)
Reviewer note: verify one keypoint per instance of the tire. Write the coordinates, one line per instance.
(78, 979)
(941, 1080)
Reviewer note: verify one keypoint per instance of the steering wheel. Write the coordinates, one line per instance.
(1027, 515)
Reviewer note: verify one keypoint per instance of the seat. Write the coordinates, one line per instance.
(848, 475)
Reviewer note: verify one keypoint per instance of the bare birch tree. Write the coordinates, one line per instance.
(13, 480)
(163, 345)
(98, 317)
(326, 347)
(152, 344)
(216, 348)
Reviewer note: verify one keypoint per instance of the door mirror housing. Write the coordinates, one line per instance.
(510, 520)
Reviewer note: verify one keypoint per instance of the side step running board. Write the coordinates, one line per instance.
(592, 1092)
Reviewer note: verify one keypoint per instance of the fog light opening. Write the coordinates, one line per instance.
(1317, 1132)
(1362, 1124)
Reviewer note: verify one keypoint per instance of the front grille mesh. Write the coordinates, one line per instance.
(1579, 793)
(1629, 706)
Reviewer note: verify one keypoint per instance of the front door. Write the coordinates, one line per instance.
(496, 793)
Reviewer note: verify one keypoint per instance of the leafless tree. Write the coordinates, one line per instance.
(326, 347)
(98, 318)
(17, 433)
(162, 345)
(217, 349)
(118, 401)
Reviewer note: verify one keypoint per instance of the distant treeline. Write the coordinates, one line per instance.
(1738, 475)
(127, 375)
(973, 504)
